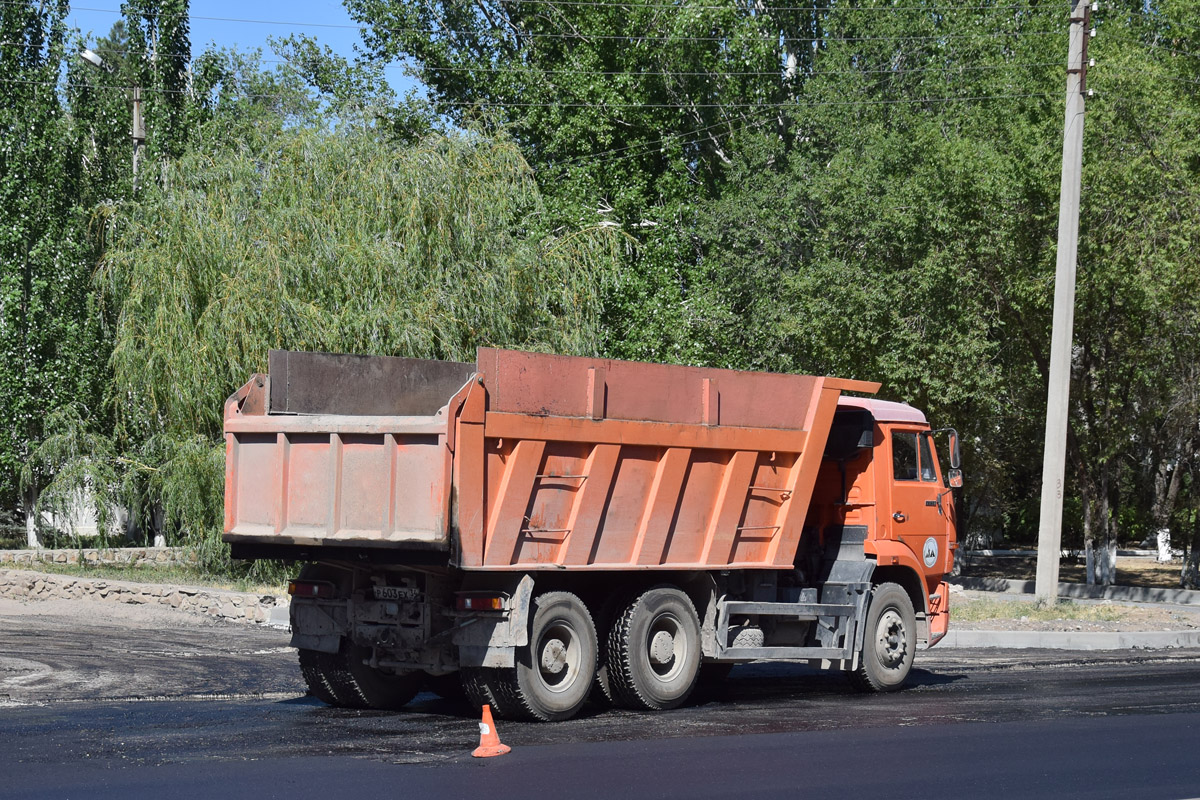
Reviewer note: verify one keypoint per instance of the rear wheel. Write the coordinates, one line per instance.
(553, 673)
(890, 642)
(653, 651)
(316, 666)
(345, 679)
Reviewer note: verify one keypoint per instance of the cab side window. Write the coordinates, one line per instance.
(904, 456)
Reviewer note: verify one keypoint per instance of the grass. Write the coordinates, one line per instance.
(979, 609)
(12, 538)
(152, 573)
(1144, 572)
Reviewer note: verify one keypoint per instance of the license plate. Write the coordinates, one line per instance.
(395, 593)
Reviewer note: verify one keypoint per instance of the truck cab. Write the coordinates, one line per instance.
(881, 483)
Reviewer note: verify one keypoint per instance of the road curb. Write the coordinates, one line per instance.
(1081, 591)
(1072, 640)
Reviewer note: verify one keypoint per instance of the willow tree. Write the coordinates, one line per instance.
(334, 240)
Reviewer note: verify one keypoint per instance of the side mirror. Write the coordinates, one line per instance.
(954, 477)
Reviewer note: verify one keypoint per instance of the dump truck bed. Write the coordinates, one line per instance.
(527, 461)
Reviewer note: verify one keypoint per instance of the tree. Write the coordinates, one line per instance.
(51, 345)
(869, 190)
(332, 239)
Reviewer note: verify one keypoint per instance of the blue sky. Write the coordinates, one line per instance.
(246, 25)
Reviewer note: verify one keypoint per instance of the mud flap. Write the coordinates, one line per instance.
(492, 640)
(313, 629)
(939, 613)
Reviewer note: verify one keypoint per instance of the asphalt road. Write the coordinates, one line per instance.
(102, 706)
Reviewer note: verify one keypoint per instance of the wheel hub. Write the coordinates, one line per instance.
(891, 638)
(662, 648)
(554, 657)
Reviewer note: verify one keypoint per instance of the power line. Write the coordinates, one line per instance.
(1191, 113)
(684, 6)
(550, 104)
(147, 90)
(645, 73)
(1170, 50)
(1155, 75)
(599, 157)
(603, 156)
(1157, 17)
(724, 73)
(945, 37)
(690, 106)
(632, 39)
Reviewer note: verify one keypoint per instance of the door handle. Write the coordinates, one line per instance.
(899, 517)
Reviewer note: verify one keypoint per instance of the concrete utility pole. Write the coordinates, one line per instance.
(138, 131)
(1058, 393)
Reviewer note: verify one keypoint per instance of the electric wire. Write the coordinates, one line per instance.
(642, 73)
(1152, 46)
(552, 104)
(640, 39)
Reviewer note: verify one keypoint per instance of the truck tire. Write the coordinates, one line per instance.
(477, 684)
(653, 651)
(342, 679)
(376, 688)
(316, 666)
(890, 642)
(606, 616)
(554, 672)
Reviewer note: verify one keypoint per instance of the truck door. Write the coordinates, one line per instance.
(916, 515)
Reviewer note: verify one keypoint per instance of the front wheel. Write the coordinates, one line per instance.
(890, 642)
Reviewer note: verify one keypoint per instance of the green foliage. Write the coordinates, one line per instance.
(157, 56)
(85, 471)
(337, 241)
(867, 190)
(51, 350)
(319, 238)
(871, 191)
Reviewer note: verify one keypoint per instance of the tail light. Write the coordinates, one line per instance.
(318, 589)
(481, 602)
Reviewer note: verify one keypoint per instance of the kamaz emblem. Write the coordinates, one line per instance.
(930, 553)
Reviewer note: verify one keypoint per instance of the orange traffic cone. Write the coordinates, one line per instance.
(489, 740)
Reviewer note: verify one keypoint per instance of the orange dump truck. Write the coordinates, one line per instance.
(541, 528)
